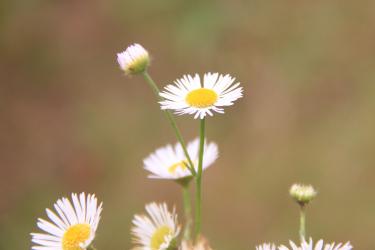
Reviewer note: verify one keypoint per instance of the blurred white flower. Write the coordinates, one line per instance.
(170, 162)
(318, 246)
(200, 244)
(156, 231)
(266, 246)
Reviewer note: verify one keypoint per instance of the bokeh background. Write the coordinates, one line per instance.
(71, 121)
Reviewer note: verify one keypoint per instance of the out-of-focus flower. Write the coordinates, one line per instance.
(201, 244)
(318, 246)
(134, 60)
(190, 95)
(156, 231)
(303, 194)
(170, 162)
(72, 228)
(266, 246)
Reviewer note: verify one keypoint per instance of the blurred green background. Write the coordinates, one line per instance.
(71, 121)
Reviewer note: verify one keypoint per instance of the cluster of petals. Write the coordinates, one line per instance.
(307, 245)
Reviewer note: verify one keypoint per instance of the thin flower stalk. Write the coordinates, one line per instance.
(187, 211)
(198, 209)
(171, 120)
(302, 225)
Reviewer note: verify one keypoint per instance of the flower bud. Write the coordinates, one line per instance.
(303, 194)
(134, 60)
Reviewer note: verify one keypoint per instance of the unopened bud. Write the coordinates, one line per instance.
(303, 194)
(134, 60)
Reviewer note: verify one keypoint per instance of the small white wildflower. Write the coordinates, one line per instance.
(170, 162)
(72, 228)
(157, 230)
(190, 95)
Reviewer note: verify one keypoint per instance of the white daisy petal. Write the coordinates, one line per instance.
(45, 237)
(56, 219)
(169, 162)
(49, 228)
(189, 95)
(72, 227)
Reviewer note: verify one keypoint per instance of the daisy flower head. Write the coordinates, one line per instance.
(134, 60)
(73, 227)
(318, 246)
(266, 246)
(190, 95)
(156, 231)
(169, 162)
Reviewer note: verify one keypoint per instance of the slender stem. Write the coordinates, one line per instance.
(187, 210)
(302, 224)
(171, 120)
(151, 83)
(91, 247)
(198, 202)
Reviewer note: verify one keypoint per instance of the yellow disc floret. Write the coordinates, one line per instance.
(158, 237)
(75, 235)
(174, 167)
(201, 98)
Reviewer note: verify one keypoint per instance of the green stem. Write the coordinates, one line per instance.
(171, 120)
(302, 224)
(91, 247)
(187, 210)
(198, 202)
(152, 84)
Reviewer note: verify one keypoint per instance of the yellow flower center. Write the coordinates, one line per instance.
(201, 98)
(172, 169)
(158, 237)
(75, 235)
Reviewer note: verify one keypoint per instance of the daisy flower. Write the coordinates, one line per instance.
(134, 59)
(72, 228)
(266, 246)
(169, 162)
(318, 246)
(190, 95)
(157, 230)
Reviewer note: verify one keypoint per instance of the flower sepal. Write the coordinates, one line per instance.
(184, 182)
(173, 245)
(91, 247)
